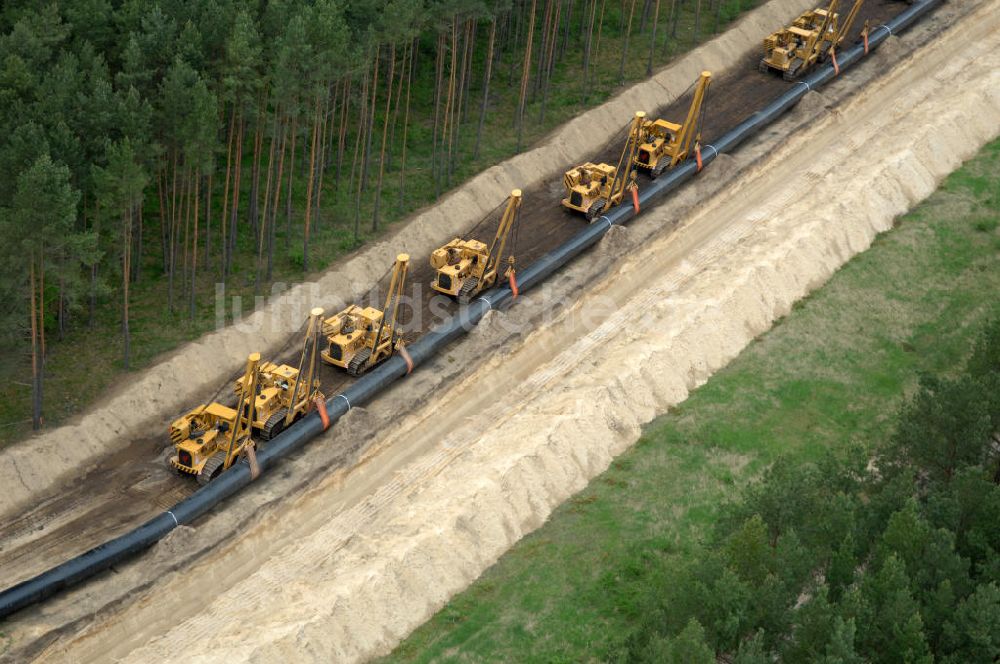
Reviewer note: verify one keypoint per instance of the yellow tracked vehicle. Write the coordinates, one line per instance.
(358, 338)
(269, 397)
(281, 397)
(796, 49)
(211, 437)
(666, 144)
(593, 188)
(465, 268)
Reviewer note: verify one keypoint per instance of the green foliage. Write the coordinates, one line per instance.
(891, 629)
(687, 647)
(974, 631)
(945, 427)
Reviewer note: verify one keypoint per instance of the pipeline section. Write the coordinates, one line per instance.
(121, 548)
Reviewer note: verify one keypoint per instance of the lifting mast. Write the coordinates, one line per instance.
(846, 26)
(816, 40)
(392, 299)
(244, 416)
(310, 347)
(616, 192)
(503, 232)
(691, 129)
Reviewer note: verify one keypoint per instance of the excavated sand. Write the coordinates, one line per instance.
(350, 567)
(156, 395)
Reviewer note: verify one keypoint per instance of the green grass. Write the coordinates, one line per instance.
(82, 366)
(834, 371)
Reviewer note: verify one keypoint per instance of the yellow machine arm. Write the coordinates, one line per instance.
(691, 129)
(503, 232)
(846, 25)
(244, 416)
(617, 189)
(392, 300)
(815, 44)
(308, 360)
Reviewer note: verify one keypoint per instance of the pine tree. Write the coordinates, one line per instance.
(119, 190)
(44, 243)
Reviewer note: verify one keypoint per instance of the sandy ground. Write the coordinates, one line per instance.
(350, 563)
(147, 400)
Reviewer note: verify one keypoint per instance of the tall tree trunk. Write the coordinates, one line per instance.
(36, 360)
(470, 46)
(358, 142)
(448, 104)
(225, 194)
(550, 61)
(344, 117)
(126, 269)
(335, 112)
(61, 309)
(652, 39)
(439, 75)
(600, 31)
(291, 174)
(536, 85)
(235, 207)
(258, 146)
(565, 41)
(456, 123)
(670, 35)
(173, 235)
(486, 88)
(265, 212)
(385, 134)
(367, 152)
(524, 76)
(406, 124)
(323, 158)
(646, 6)
(591, 12)
(208, 219)
(194, 247)
(697, 21)
(628, 34)
(277, 199)
(41, 303)
(161, 186)
(403, 65)
(137, 243)
(309, 184)
(186, 202)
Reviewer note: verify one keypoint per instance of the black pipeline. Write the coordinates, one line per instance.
(236, 478)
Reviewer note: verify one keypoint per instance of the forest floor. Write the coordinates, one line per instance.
(86, 362)
(833, 371)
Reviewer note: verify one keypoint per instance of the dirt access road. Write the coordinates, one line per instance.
(348, 566)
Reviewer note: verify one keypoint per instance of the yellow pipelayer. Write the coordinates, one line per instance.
(465, 268)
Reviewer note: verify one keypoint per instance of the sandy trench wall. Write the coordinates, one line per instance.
(347, 603)
(147, 401)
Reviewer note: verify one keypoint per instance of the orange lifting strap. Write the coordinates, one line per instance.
(697, 156)
(635, 199)
(403, 353)
(323, 415)
(833, 58)
(251, 453)
(512, 278)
